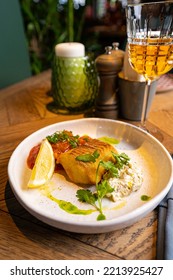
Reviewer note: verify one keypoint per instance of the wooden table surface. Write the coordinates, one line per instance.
(23, 111)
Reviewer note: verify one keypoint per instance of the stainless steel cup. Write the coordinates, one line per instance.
(131, 95)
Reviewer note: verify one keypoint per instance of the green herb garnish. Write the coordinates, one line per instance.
(63, 136)
(88, 157)
(121, 159)
(87, 196)
(110, 168)
(102, 188)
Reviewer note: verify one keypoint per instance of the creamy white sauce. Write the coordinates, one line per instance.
(129, 180)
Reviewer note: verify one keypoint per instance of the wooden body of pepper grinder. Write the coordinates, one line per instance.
(108, 66)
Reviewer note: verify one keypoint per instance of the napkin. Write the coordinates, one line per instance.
(165, 228)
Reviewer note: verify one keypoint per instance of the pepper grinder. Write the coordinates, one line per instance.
(108, 66)
(119, 53)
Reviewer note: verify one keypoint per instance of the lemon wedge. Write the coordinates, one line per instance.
(44, 166)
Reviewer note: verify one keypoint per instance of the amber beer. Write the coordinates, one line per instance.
(151, 57)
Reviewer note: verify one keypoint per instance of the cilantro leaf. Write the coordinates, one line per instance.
(88, 157)
(53, 138)
(62, 136)
(121, 159)
(103, 189)
(96, 154)
(86, 196)
(112, 170)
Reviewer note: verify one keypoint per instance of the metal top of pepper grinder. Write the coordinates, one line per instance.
(118, 53)
(108, 66)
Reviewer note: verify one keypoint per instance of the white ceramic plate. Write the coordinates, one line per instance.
(150, 155)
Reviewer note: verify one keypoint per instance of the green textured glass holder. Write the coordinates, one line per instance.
(74, 85)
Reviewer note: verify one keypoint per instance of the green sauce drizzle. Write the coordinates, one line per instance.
(101, 217)
(109, 140)
(145, 197)
(69, 207)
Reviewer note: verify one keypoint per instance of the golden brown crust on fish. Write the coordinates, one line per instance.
(85, 172)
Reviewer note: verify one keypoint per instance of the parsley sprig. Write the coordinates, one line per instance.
(95, 198)
(121, 159)
(112, 168)
(103, 188)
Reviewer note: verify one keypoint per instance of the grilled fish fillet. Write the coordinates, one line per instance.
(85, 172)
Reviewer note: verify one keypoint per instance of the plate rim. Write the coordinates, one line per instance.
(93, 224)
